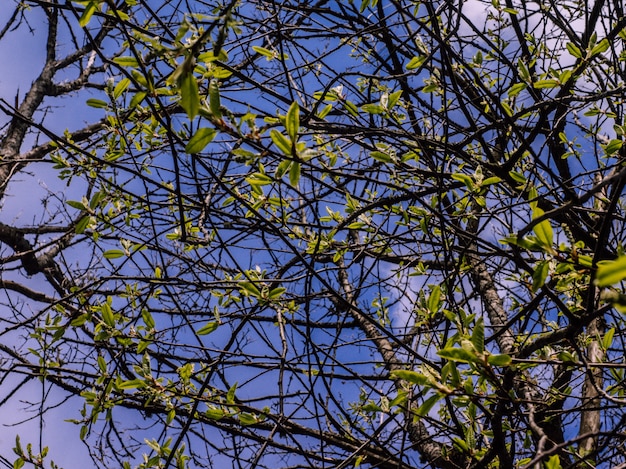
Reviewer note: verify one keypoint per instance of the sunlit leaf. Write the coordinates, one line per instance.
(126, 61)
(294, 174)
(543, 229)
(478, 336)
(189, 95)
(282, 142)
(208, 328)
(412, 377)
(611, 272)
(90, 9)
(499, 360)
(200, 140)
(97, 103)
(215, 104)
(268, 54)
(458, 355)
(574, 50)
(113, 254)
(292, 121)
(416, 62)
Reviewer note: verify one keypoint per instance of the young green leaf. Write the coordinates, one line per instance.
(478, 336)
(499, 360)
(97, 103)
(268, 54)
(126, 61)
(428, 404)
(107, 315)
(113, 254)
(540, 274)
(600, 47)
(434, 299)
(121, 87)
(574, 50)
(200, 140)
(458, 355)
(88, 12)
(543, 229)
(611, 272)
(416, 62)
(294, 174)
(292, 121)
(207, 328)
(516, 89)
(189, 95)
(412, 377)
(215, 104)
(282, 142)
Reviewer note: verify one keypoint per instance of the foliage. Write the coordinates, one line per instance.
(319, 234)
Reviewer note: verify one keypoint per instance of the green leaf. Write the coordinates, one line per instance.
(82, 225)
(247, 419)
(516, 89)
(137, 99)
(465, 179)
(543, 230)
(517, 177)
(416, 62)
(613, 146)
(126, 61)
(434, 299)
(412, 377)
(611, 272)
(478, 336)
(540, 274)
(325, 111)
(458, 355)
(380, 156)
(292, 121)
(207, 328)
(19, 463)
(88, 12)
(541, 84)
(268, 54)
(282, 168)
(574, 50)
(276, 293)
(373, 108)
(132, 384)
(294, 174)
(189, 95)
(282, 142)
(600, 47)
(102, 364)
(121, 87)
(428, 404)
(215, 413)
(148, 320)
(351, 108)
(200, 140)
(107, 315)
(499, 360)
(607, 340)
(523, 71)
(113, 254)
(249, 288)
(393, 99)
(97, 103)
(554, 462)
(230, 395)
(215, 104)
(259, 179)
